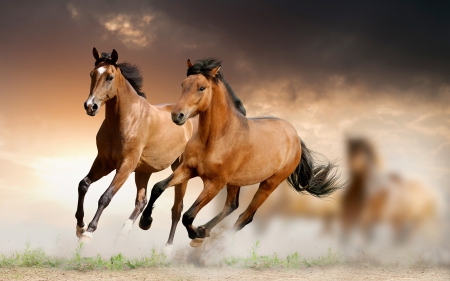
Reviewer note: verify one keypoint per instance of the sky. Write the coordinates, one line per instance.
(333, 69)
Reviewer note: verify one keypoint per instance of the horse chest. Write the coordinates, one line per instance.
(115, 147)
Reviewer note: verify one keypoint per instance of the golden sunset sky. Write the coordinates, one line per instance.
(333, 70)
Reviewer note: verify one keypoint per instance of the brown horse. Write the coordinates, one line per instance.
(134, 137)
(374, 197)
(230, 149)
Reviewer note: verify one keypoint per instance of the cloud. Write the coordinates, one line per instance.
(134, 28)
(132, 31)
(434, 124)
(73, 11)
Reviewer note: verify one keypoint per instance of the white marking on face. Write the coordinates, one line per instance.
(101, 70)
(90, 101)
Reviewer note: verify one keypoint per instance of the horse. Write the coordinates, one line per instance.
(233, 150)
(374, 197)
(135, 136)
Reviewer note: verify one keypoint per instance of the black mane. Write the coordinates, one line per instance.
(130, 71)
(204, 67)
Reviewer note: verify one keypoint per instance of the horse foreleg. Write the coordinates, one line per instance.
(141, 180)
(210, 190)
(98, 170)
(121, 176)
(180, 175)
(231, 204)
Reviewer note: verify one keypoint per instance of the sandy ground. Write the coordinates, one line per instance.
(336, 272)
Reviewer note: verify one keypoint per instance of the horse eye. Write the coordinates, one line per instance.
(201, 88)
(109, 78)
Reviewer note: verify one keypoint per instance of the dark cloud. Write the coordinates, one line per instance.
(382, 45)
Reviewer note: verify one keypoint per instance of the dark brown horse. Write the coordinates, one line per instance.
(230, 149)
(134, 137)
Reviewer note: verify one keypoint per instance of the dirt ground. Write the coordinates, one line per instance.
(336, 272)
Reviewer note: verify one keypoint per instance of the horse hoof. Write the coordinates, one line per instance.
(81, 230)
(197, 242)
(86, 238)
(168, 251)
(145, 223)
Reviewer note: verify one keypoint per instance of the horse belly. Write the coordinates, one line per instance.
(259, 166)
(253, 173)
(155, 160)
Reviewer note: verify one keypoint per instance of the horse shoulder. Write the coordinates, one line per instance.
(192, 152)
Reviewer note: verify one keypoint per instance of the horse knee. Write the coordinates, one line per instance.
(83, 186)
(104, 200)
(187, 219)
(158, 188)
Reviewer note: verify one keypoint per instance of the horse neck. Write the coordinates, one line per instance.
(217, 116)
(120, 108)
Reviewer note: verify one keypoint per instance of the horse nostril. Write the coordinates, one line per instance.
(180, 116)
(85, 106)
(95, 106)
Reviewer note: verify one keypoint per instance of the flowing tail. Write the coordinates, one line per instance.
(318, 180)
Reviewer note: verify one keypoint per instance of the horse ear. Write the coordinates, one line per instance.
(189, 63)
(114, 56)
(96, 54)
(214, 71)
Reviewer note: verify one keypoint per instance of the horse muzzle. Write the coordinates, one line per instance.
(91, 108)
(179, 118)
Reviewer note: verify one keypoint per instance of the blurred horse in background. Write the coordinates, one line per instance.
(374, 197)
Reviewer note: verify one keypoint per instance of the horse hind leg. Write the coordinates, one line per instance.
(141, 180)
(97, 171)
(231, 204)
(180, 190)
(265, 189)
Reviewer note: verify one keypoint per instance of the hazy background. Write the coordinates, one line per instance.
(330, 68)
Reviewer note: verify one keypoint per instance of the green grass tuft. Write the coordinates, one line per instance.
(116, 262)
(274, 261)
(36, 257)
(30, 258)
